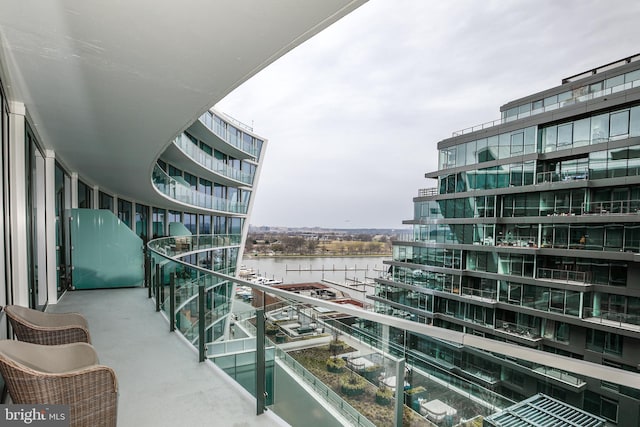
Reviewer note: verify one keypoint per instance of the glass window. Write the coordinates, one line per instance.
(471, 152)
(550, 101)
(634, 125)
(619, 124)
(595, 87)
(85, 195)
(632, 76)
(565, 136)
(125, 213)
(105, 201)
(159, 218)
(581, 131)
(516, 175)
(614, 81)
(142, 218)
(504, 149)
(482, 151)
(549, 137)
(530, 139)
(492, 147)
(599, 128)
(598, 164)
(517, 143)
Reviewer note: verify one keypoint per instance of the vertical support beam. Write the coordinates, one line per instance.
(158, 280)
(162, 286)
(74, 190)
(201, 321)
(172, 302)
(147, 266)
(152, 267)
(260, 363)
(399, 404)
(96, 197)
(18, 205)
(50, 226)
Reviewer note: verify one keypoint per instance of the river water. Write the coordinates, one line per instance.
(305, 270)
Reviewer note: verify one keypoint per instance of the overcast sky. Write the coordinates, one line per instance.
(353, 116)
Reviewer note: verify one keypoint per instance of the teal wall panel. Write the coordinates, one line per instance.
(106, 253)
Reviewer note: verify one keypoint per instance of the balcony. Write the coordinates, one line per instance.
(626, 321)
(618, 207)
(548, 177)
(521, 331)
(160, 381)
(564, 276)
(211, 163)
(231, 138)
(180, 191)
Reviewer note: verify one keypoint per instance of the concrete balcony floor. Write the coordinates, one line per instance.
(160, 380)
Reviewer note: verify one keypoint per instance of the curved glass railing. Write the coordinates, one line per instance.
(182, 192)
(299, 335)
(230, 138)
(208, 161)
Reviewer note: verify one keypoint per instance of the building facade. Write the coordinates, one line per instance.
(532, 236)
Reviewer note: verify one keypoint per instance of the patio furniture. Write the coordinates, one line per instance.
(67, 374)
(47, 328)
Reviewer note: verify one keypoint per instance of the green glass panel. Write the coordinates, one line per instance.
(106, 253)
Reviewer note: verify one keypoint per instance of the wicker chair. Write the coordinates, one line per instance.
(68, 374)
(47, 328)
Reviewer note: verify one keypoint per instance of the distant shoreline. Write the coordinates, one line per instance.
(252, 256)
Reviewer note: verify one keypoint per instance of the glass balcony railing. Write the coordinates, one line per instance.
(544, 177)
(611, 208)
(566, 276)
(622, 320)
(182, 192)
(228, 137)
(370, 368)
(553, 106)
(208, 161)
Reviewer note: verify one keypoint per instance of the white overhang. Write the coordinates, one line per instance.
(109, 84)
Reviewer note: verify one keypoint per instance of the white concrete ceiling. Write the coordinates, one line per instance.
(109, 83)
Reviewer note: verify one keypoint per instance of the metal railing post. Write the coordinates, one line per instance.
(260, 363)
(399, 403)
(158, 280)
(152, 278)
(201, 322)
(172, 302)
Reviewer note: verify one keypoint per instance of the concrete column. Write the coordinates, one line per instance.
(96, 197)
(18, 205)
(74, 190)
(50, 218)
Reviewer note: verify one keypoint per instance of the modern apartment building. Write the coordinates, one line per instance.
(109, 138)
(532, 236)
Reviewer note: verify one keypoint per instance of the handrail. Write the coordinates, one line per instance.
(208, 161)
(176, 190)
(425, 192)
(567, 364)
(563, 275)
(226, 137)
(550, 107)
(542, 177)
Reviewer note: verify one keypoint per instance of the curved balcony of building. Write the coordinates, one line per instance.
(178, 190)
(226, 137)
(184, 153)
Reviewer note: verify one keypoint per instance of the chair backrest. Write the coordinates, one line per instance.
(64, 375)
(47, 328)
